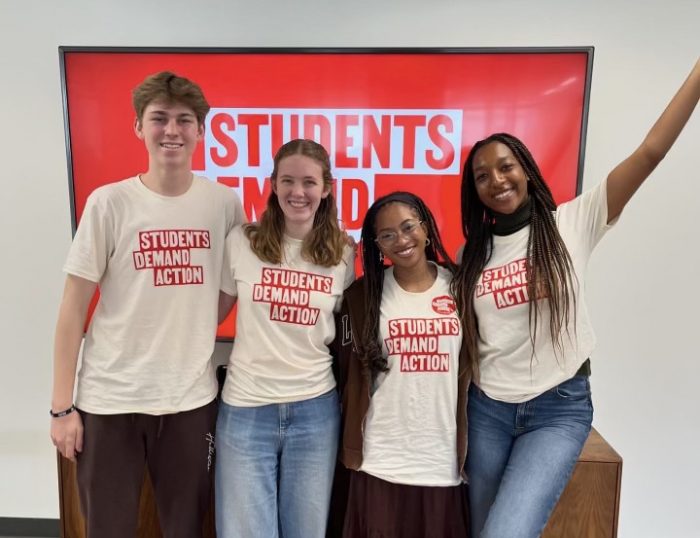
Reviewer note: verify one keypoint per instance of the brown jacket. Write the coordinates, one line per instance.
(354, 384)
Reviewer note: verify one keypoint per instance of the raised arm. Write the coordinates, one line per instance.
(627, 176)
(67, 431)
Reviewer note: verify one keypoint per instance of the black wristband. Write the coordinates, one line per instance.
(62, 413)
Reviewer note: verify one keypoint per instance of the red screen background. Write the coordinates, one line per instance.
(539, 96)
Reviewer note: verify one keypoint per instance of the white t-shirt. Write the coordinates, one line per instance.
(509, 371)
(157, 260)
(410, 434)
(284, 323)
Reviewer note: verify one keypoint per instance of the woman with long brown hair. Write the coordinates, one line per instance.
(277, 431)
(520, 290)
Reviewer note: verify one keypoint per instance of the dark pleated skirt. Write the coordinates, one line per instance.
(380, 509)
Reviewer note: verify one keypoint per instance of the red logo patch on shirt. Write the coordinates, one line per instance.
(444, 305)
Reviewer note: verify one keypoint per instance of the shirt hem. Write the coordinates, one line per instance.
(259, 402)
(127, 409)
(394, 480)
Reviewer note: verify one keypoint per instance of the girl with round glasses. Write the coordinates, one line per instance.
(403, 380)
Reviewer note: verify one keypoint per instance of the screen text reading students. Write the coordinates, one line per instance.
(146, 388)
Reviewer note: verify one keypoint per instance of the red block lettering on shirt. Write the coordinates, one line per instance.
(415, 363)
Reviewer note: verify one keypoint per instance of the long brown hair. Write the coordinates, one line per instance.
(325, 243)
(549, 270)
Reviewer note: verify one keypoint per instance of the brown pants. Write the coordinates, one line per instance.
(178, 451)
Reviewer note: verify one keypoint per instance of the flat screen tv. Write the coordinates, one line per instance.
(391, 119)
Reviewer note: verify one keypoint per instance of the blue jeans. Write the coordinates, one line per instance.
(521, 457)
(274, 468)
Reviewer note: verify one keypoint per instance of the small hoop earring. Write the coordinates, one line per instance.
(381, 257)
(427, 241)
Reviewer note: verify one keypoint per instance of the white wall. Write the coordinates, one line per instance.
(642, 297)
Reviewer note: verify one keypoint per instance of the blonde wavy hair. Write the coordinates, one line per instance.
(325, 243)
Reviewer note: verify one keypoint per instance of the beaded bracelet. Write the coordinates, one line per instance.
(62, 413)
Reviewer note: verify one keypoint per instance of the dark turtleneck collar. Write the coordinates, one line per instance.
(517, 220)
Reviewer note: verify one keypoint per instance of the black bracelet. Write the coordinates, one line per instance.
(62, 413)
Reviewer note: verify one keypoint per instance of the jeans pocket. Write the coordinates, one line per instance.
(576, 388)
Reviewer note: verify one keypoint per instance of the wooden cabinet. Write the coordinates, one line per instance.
(588, 507)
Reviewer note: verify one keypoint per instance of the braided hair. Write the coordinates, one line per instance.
(373, 267)
(550, 273)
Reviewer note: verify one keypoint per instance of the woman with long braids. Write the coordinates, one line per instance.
(403, 381)
(520, 291)
(278, 425)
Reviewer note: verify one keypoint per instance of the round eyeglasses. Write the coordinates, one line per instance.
(387, 238)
